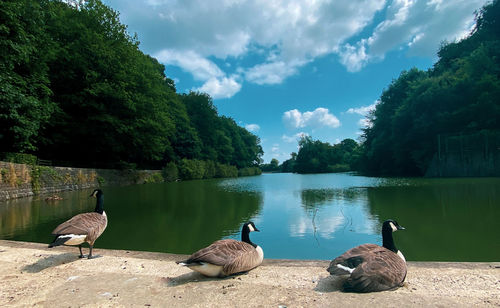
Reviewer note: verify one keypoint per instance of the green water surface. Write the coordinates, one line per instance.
(300, 216)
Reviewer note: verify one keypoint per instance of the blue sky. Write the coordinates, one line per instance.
(284, 69)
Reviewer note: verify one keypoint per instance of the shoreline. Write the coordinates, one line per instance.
(31, 274)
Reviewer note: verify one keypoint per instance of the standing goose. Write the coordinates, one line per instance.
(86, 227)
(227, 257)
(371, 267)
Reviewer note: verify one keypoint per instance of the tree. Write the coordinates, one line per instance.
(459, 95)
(25, 105)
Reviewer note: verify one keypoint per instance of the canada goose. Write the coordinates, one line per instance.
(371, 267)
(86, 227)
(227, 257)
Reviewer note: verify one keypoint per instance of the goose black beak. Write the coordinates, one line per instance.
(401, 228)
(255, 229)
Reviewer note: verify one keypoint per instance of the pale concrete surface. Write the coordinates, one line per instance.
(33, 275)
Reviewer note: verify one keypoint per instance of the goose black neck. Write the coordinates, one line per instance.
(387, 240)
(99, 204)
(245, 237)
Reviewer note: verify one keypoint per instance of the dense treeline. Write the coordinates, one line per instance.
(315, 156)
(460, 94)
(75, 88)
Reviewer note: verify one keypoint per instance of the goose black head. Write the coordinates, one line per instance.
(96, 193)
(391, 225)
(250, 226)
(388, 227)
(245, 231)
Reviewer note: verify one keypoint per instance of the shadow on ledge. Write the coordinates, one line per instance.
(330, 284)
(50, 261)
(195, 277)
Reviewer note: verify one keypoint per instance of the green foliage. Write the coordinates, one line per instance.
(75, 87)
(191, 169)
(36, 172)
(170, 172)
(20, 158)
(42, 174)
(273, 166)
(249, 171)
(225, 171)
(222, 140)
(154, 177)
(289, 164)
(318, 157)
(25, 106)
(101, 181)
(209, 170)
(459, 95)
(338, 168)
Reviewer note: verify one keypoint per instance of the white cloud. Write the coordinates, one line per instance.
(284, 35)
(363, 110)
(324, 225)
(354, 58)
(220, 88)
(317, 118)
(275, 148)
(419, 25)
(216, 83)
(365, 123)
(294, 138)
(271, 73)
(190, 61)
(252, 127)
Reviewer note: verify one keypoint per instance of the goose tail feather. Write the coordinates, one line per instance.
(58, 241)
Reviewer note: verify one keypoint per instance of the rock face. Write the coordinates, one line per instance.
(20, 180)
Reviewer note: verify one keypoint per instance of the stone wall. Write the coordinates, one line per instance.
(20, 180)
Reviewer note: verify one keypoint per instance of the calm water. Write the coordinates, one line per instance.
(300, 216)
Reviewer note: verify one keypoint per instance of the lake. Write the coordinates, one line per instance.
(316, 216)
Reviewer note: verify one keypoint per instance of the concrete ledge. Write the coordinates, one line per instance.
(31, 274)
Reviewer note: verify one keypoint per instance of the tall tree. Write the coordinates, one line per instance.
(25, 104)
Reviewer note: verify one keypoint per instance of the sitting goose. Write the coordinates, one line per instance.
(86, 227)
(371, 267)
(227, 257)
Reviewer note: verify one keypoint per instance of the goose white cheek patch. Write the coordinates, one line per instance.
(251, 228)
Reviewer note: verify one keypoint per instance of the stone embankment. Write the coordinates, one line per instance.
(33, 275)
(21, 180)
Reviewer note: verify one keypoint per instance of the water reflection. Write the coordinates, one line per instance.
(301, 216)
(448, 219)
(26, 218)
(175, 217)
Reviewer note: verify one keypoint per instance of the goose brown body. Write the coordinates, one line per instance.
(85, 227)
(376, 268)
(227, 257)
(372, 267)
(234, 257)
(90, 224)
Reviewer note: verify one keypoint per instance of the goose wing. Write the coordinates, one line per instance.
(221, 252)
(351, 259)
(380, 270)
(247, 259)
(81, 224)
